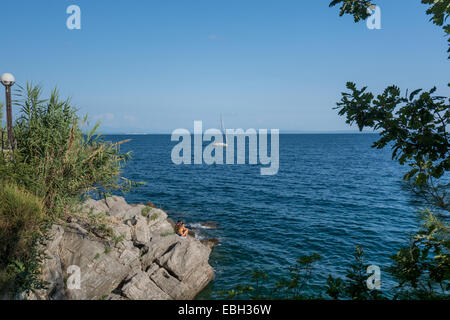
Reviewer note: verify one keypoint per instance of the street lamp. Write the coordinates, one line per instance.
(8, 80)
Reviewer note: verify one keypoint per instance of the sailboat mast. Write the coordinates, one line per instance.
(221, 125)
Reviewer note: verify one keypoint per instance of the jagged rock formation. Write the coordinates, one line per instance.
(144, 260)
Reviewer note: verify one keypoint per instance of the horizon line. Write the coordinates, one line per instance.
(281, 133)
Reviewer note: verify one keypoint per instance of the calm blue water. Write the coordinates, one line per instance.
(332, 192)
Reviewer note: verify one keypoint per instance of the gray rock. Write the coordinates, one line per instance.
(140, 232)
(132, 212)
(52, 270)
(211, 243)
(163, 228)
(122, 230)
(130, 257)
(199, 278)
(96, 206)
(172, 286)
(152, 269)
(171, 222)
(157, 247)
(117, 206)
(186, 255)
(144, 259)
(141, 287)
(209, 224)
(113, 296)
(156, 217)
(100, 272)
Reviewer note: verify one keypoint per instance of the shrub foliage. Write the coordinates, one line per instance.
(53, 167)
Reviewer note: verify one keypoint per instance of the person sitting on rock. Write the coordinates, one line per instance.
(181, 230)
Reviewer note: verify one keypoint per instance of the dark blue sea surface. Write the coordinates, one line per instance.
(332, 192)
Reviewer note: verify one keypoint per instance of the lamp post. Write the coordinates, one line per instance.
(8, 80)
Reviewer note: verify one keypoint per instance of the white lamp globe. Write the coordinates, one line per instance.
(7, 79)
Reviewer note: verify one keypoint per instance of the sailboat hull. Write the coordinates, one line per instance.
(220, 144)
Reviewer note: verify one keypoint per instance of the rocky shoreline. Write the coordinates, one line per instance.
(144, 260)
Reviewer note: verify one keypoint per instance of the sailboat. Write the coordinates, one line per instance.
(221, 144)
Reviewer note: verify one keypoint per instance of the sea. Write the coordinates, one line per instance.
(332, 192)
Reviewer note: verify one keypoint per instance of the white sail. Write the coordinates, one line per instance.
(221, 125)
(222, 129)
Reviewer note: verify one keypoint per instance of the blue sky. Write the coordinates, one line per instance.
(154, 66)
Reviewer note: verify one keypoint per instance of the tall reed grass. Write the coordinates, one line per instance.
(54, 166)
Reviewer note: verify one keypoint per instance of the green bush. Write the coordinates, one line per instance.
(422, 269)
(21, 220)
(145, 211)
(54, 158)
(293, 287)
(20, 215)
(55, 164)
